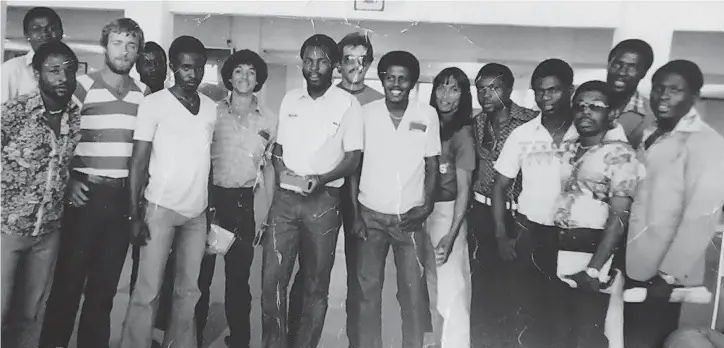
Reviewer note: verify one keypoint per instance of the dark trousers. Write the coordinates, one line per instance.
(235, 212)
(351, 244)
(307, 226)
(383, 231)
(93, 248)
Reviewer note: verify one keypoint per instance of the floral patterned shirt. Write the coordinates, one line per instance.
(35, 165)
(606, 170)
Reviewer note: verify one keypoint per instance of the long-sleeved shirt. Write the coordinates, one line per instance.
(679, 204)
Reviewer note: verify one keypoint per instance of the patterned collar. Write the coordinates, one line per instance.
(517, 112)
(35, 107)
(226, 103)
(29, 57)
(636, 104)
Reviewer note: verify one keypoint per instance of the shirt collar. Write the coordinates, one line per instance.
(305, 93)
(35, 106)
(637, 104)
(29, 57)
(571, 133)
(690, 123)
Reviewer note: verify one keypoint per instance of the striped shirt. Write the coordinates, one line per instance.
(107, 124)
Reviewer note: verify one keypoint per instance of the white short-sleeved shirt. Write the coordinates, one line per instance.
(181, 155)
(393, 169)
(315, 133)
(17, 77)
(530, 148)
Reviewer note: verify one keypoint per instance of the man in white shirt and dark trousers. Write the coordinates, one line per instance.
(395, 196)
(174, 129)
(40, 25)
(318, 144)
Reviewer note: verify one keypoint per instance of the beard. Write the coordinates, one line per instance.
(120, 70)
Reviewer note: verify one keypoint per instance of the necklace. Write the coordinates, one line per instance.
(56, 112)
(396, 117)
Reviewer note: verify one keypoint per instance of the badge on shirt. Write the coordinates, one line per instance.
(417, 126)
(443, 168)
(292, 115)
(264, 134)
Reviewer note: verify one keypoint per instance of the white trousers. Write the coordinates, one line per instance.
(449, 284)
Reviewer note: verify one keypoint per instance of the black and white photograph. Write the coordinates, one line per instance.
(481, 174)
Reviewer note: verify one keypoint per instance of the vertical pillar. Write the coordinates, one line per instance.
(653, 24)
(155, 20)
(3, 20)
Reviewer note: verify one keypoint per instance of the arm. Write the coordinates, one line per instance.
(508, 166)
(616, 224)
(464, 177)
(498, 200)
(347, 167)
(352, 143)
(138, 175)
(6, 83)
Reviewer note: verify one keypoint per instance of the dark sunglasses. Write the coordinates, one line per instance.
(596, 106)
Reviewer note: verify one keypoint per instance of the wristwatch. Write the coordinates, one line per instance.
(593, 272)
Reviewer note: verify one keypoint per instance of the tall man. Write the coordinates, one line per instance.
(95, 239)
(40, 25)
(499, 117)
(318, 144)
(678, 205)
(396, 187)
(172, 154)
(40, 130)
(534, 149)
(628, 63)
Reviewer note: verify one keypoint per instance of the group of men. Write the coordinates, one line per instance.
(112, 161)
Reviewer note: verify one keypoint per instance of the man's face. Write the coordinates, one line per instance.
(493, 94)
(188, 71)
(354, 64)
(152, 68)
(243, 78)
(316, 67)
(397, 84)
(625, 70)
(121, 52)
(551, 95)
(447, 96)
(590, 113)
(42, 30)
(671, 97)
(56, 77)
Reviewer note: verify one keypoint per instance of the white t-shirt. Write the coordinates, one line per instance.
(181, 154)
(315, 133)
(18, 77)
(393, 168)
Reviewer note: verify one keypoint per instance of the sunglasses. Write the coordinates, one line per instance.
(349, 59)
(596, 106)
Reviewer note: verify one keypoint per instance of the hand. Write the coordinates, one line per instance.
(359, 228)
(585, 282)
(139, 232)
(75, 192)
(443, 249)
(314, 184)
(506, 248)
(415, 216)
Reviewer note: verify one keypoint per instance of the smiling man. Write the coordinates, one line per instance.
(95, 226)
(40, 25)
(628, 63)
(172, 154)
(678, 205)
(318, 144)
(395, 194)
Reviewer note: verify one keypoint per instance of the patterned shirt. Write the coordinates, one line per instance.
(107, 125)
(240, 145)
(609, 169)
(634, 117)
(488, 148)
(35, 165)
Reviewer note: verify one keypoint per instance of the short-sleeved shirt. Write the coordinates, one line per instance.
(393, 169)
(17, 77)
(315, 133)
(489, 146)
(107, 124)
(239, 145)
(35, 165)
(180, 155)
(609, 169)
(458, 152)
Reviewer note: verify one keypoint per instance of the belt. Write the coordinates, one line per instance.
(489, 202)
(100, 180)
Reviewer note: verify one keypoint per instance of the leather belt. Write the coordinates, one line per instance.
(100, 180)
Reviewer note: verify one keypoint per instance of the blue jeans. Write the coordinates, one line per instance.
(383, 231)
(308, 226)
(187, 236)
(27, 275)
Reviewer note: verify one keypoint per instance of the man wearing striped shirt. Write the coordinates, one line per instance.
(96, 226)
